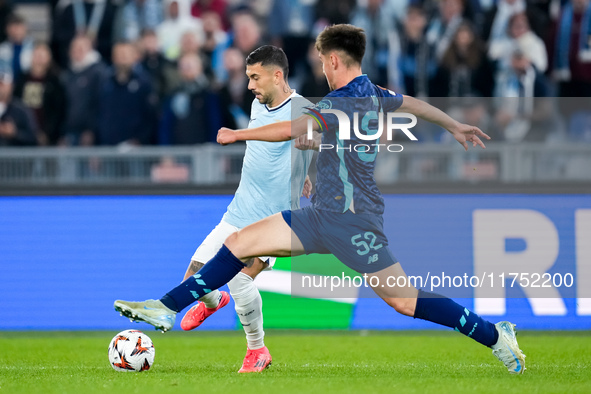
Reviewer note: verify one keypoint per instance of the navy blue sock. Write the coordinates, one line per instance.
(216, 273)
(442, 310)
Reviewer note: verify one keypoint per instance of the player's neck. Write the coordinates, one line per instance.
(346, 77)
(283, 94)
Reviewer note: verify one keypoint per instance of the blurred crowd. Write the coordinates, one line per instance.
(171, 72)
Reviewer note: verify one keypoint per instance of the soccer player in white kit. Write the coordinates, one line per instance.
(273, 179)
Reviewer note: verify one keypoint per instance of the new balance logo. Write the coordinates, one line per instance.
(372, 259)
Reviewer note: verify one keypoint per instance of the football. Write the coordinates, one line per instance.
(131, 351)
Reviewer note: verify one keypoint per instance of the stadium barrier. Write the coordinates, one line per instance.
(211, 164)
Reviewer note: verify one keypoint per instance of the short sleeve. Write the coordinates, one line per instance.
(389, 99)
(326, 122)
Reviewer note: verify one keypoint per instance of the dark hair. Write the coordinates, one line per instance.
(346, 38)
(269, 55)
(15, 19)
(452, 58)
(415, 8)
(147, 32)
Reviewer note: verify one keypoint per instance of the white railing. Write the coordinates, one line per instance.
(211, 164)
(500, 162)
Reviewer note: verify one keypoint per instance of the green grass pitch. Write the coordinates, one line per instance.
(303, 362)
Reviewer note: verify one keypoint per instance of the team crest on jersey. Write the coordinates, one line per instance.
(324, 104)
(387, 90)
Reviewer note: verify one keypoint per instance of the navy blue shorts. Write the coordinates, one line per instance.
(357, 240)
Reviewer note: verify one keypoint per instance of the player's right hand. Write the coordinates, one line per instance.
(226, 136)
(303, 143)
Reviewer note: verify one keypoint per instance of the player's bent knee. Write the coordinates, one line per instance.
(231, 239)
(232, 243)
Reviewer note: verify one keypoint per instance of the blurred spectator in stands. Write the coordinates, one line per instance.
(524, 112)
(193, 115)
(377, 23)
(163, 73)
(572, 52)
(496, 20)
(246, 32)
(200, 7)
(315, 84)
(522, 38)
(234, 94)
(17, 126)
(82, 80)
(18, 48)
(177, 21)
(398, 8)
(412, 65)
(496, 23)
(191, 43)
(464, 69)
(330, 12)
(216, 41)
(549, 8)
(92, 18)
(475, 111)
(444, 25)
(134, 16)
(259, 8)
(126, 103)
(5, 13)
(41, 90)
(289, 28)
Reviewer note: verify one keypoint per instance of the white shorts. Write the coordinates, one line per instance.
(214, 241)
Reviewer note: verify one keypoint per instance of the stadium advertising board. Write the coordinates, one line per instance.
(60, 256)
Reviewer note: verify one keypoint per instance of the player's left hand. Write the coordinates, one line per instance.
(307, 192)
(226, 136)
(465, 133)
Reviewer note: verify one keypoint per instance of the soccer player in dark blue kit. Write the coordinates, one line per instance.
(345, 218)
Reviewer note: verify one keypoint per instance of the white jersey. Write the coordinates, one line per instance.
(273, 173)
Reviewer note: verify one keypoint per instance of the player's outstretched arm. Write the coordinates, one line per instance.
(463, 133)
(273, 132)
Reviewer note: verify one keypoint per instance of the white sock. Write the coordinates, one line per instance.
(249, 307)
(211, 300)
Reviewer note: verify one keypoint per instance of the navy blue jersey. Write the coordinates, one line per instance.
(345, 173)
